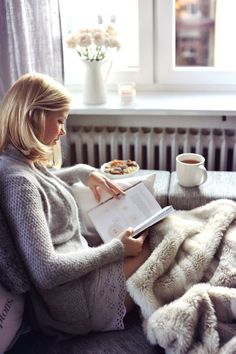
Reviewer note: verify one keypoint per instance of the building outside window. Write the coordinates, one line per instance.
(195, 32)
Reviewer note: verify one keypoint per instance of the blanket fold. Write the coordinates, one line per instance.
(186, 282)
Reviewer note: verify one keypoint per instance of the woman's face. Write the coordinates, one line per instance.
(54, 127)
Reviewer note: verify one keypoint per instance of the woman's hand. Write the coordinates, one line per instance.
(97, 181)
(132, 246)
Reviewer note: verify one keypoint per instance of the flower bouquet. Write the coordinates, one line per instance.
(93, 44)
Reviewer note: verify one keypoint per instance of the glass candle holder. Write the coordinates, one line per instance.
(127, 92)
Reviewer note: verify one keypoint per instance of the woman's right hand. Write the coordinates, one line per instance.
(132, 246)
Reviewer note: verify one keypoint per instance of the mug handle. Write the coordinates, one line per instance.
(204, 174)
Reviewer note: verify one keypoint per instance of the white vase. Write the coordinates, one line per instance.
(94, 90)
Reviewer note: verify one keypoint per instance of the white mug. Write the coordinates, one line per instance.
(190, 169)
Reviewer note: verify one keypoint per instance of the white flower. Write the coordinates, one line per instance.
(111, 31)
(114, 43)
(99, 38)
(72, 41)
(83, 40)
(93, 44)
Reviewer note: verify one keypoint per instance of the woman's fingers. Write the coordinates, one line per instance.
(113, 188)
(96, 193)
(132, 246)
(97, 181)
(143, 236)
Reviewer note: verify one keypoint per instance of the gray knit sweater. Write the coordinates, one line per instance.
(43, 218)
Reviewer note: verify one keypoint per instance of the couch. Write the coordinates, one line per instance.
(131, 339)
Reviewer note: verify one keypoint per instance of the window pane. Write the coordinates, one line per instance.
(123, 15)
(195, 32)
(205, 33)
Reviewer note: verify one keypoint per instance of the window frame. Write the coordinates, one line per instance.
(142, 75)
(166, 74)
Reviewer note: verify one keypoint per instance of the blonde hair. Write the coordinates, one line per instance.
(24, 110)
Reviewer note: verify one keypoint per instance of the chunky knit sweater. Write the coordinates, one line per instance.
(43, 218)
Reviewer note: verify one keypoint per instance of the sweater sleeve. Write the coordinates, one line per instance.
(75, 173)
(47, 268)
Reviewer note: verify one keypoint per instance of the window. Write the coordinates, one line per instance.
(205, 33)
(131, 62)
(166, 44)
(188, 23)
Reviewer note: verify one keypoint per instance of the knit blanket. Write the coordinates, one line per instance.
(186, 288)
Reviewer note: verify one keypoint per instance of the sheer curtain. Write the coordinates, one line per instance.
(30, 40)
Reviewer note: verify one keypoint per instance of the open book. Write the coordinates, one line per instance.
(138, 208)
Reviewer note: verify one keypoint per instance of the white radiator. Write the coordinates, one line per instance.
(151, 147)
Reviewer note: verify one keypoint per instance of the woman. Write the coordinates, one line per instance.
(74, 288)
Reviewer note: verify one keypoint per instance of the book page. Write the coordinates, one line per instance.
(115, 215)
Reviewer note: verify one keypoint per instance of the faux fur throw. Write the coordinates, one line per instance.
(185, 289)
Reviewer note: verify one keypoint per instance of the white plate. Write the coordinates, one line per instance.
(111, 176)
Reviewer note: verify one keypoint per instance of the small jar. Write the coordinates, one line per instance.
(127, 92)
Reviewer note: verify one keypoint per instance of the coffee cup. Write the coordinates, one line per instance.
(190, 169)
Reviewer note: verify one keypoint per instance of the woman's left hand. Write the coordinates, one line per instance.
(97, 181)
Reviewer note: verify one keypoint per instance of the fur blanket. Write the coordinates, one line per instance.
(186, 288)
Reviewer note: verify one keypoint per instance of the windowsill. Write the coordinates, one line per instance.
(162, 103)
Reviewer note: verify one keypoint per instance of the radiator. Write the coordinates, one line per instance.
(151, 147)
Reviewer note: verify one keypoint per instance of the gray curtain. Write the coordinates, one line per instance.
(30, 40)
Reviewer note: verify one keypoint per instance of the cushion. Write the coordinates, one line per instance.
(11, 316)
(86, 201)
